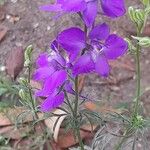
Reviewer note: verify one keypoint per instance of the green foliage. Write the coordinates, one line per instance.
(139, 16)
(143, 41)
(7, 86)
(131, 47)
(146, 2)
(2, 2)
(9, 91)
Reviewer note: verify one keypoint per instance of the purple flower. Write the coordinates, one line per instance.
(101, 47)
(52, 72)
(73, 40)
(113, 8)
(88, 8)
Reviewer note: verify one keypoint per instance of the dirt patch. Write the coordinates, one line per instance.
(39, 28)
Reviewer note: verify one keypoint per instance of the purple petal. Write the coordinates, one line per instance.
(73, 55)
(113, 8)
(84, 64)
(53, 82)
(100, 32)
(114, 47)
(54, 46)
(52, 102)
(102, 66)
(69, 87)
(72, 40)
(51, 8)
(74, 5)
(90, 13)
(56, 60)
(42, 60)
(43, 73)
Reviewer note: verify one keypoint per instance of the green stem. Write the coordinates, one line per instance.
(76, 96)
(138, 70)
(138, 77)
(30, 93)
(69, 104)
(138, 90)
(76, 114)
(80, 139)
(126, 133)
(36, 117)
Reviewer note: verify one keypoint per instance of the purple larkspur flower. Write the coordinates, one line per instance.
(52, 72)
(101, 47)
(88, 8)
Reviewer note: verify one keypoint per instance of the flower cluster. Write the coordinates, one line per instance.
(53, 73)
(88, 8)
(86, 51)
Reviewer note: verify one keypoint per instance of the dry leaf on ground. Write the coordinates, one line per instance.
(54, 123)
(2, 12)
(15, 62)
(66, 140)
(103, 109)
(11, 132)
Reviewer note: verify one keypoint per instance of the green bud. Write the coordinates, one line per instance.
(131, 13)
(27, 63)
(139, 118)
(143, 41)
(28, 55)
(22, 94)
(28, 51)
(131, 47)
(23, 81)
(137, 16)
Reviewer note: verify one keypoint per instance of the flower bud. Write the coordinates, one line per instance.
(22, 94)
(143, 41)
(23, 81)
(28, 54)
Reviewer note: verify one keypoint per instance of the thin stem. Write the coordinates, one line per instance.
(138, 90)
(124, 138)
(76, 114)
(68, 102)
(138, 77)
(138, 70)
(30, 93)
(76, 96)
(80, 139)
(36, 117)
